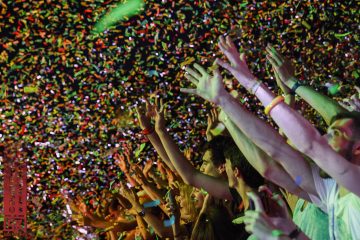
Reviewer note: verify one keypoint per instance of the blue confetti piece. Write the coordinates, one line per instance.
(151, 204)
(170, 222)
(298, 180)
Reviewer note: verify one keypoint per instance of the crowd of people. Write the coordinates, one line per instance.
(254, 181)
(73, 100)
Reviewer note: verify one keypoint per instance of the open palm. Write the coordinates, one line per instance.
(208, 87)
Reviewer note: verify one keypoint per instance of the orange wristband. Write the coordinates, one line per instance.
(273, 103)
(147, 131)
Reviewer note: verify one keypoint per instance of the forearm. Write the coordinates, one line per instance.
(156, 142)
(182, 166)
(177, 229)
(142, 227)
(325, 106)
(263, 163)
(156, 223)
(152, 191)
(268, 139)
(216, 187)
(155, 194)
(309, 141)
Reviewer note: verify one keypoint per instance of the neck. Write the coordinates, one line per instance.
(242, 189)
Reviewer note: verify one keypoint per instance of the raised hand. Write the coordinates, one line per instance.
(128, 193)
(147, 167)
(256, 221)
(208, 87)
(212, 122)
(160, 116)
(237, 66)
(121, 162)
(281, 65)
(145, 114)
(263, 226)
(139, 175)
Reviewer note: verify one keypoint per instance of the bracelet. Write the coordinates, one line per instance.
(295, 233)
(147, 131)
(295, 86)
(255, 87)
(273, 103)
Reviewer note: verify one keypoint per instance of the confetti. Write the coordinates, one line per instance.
(120, 12)
(85, 81)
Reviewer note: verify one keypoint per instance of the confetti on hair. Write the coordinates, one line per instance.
(169, 222)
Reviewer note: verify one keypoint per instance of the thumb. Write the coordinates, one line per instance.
(223, 64)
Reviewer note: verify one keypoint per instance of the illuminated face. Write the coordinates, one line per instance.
(340, 137)
(207, 166)
(198, 198)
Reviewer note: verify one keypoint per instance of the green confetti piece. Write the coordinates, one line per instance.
(120, 12)
(140, 149)
(340, 35)
(355, 74)
(334, 89)
(306, 25)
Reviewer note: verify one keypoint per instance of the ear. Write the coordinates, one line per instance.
(221, 168)
(356, 149)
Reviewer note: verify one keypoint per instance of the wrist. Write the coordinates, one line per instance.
(160, 130)
(148, 131)
(288, 227)
(224, 98)
(291, 81)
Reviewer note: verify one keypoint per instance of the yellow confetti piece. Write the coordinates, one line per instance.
(306, 25)
(187, 61)
(30, 89)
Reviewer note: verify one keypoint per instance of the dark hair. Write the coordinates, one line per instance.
(251, 177)
(216, 146)
(214, 224)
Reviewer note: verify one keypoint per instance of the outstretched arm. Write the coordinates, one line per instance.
(145, 124)
(299, 131)
(327, 107)
(263, 163)
(262, 134)
(216, 187)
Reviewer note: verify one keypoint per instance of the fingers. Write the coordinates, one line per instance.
(230, 42)
(191, 79)
(243, 57)
(217, 74)
(223, 64)
(273, 62)
(257, 201)
(275, 55)
(200, 69)
(188, 90)
(222, 42)
(161, 106)
(193, 73)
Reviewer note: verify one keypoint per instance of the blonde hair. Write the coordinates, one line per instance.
(185, 194)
